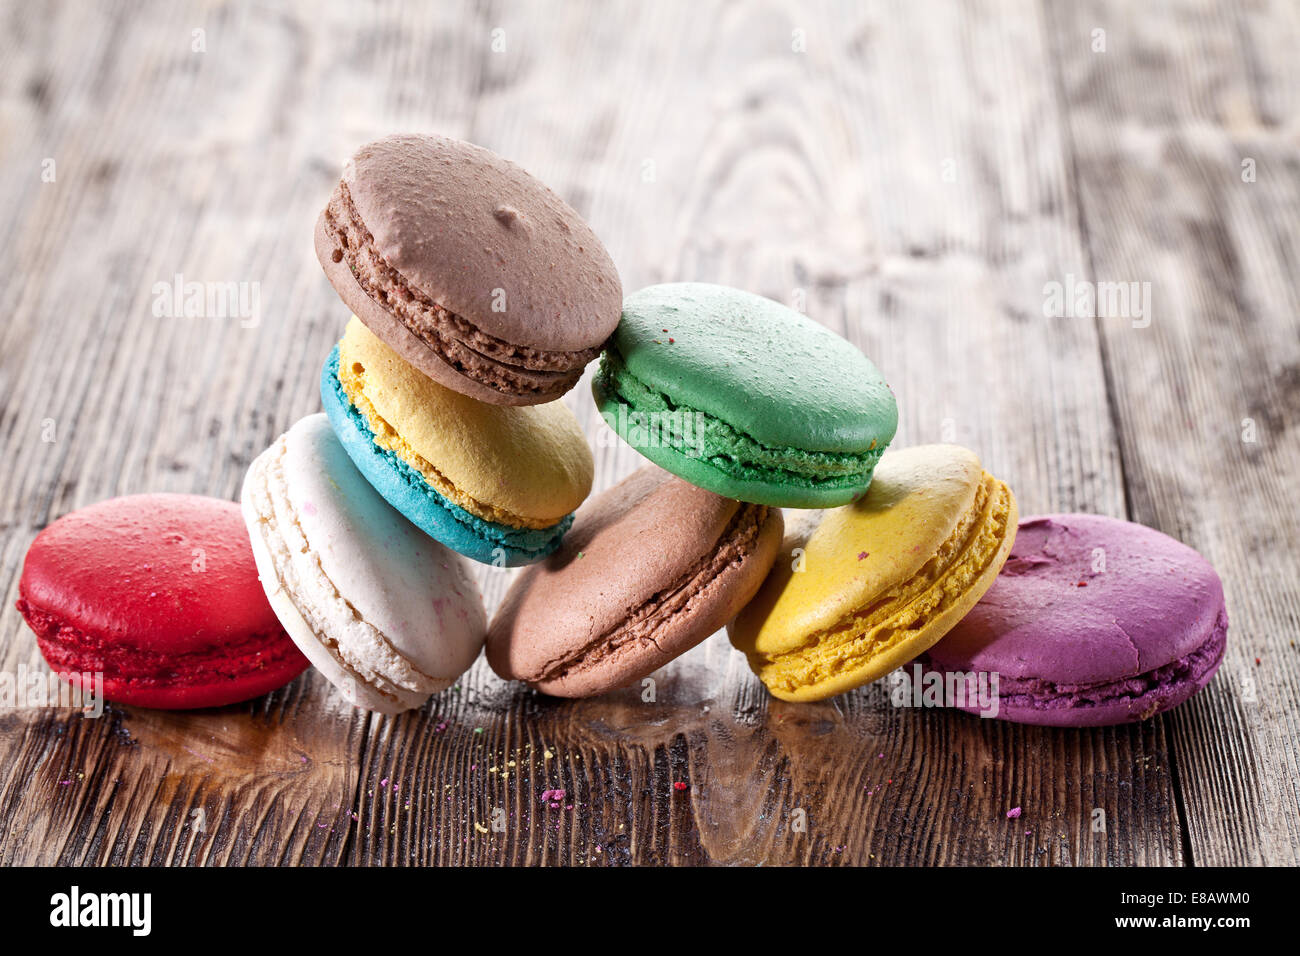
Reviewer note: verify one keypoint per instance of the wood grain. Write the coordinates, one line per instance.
(911, 175)
(1220, 357)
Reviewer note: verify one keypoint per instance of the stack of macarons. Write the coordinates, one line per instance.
(478, 298)
(769, 504)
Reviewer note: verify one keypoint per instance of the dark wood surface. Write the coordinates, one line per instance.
(915, 175)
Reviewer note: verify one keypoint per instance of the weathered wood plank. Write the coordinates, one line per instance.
(1160, 126)
(212, 165)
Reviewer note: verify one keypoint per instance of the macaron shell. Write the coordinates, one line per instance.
(1137, 700)
(932, 628)
(856, 554)
(167, 682)
(1085, 606)
(702, 609)
(460, 223)
(478, 448)
(356, 692)
(1086, 597)
(627, 547)
(647, 530)
(159, 592)
(765, 369)
(868, 587)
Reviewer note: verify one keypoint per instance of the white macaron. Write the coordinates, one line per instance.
(386, 613)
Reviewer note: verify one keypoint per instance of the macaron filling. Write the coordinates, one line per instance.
(506, 366)
(346, 415)
(741, 456)
(857, 638)
(737, 541)
(317, 599)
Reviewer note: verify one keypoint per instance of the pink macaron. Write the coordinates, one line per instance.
(159, 594)
(1092, 621)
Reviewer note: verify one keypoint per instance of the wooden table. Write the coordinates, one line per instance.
(916, 175)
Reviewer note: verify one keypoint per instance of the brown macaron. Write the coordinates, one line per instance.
(469, 268)
(650, 568)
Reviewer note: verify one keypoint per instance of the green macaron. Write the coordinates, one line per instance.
(744, 397)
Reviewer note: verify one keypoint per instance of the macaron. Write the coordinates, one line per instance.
(745, 397)
(469, 268)
(495, 483)
(652, 567)
(862, 589)
(1093, 621)
(159, 594)
(386, 613)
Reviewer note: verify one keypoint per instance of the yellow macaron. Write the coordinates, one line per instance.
(496, 483)
(860, 590)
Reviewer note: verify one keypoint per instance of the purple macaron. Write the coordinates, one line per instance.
(1093, 621)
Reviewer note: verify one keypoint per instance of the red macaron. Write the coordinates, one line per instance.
(159, 593)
